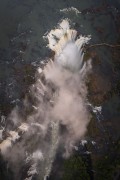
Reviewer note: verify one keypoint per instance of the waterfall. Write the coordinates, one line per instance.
(59, 96)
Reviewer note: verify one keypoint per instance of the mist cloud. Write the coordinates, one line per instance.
(58, 97)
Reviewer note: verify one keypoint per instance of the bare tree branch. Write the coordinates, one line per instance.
(104, 44)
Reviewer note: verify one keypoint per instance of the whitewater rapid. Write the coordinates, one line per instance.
(59, 96)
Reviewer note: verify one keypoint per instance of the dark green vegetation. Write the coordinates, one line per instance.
(75, 168)
(105, 154)
(104, 167)
(23, 23)
(103, 161)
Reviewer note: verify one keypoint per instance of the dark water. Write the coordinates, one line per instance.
(22, 26)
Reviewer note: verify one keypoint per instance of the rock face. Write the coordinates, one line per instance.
(99, 88)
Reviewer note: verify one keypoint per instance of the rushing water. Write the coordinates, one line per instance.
(25, 23)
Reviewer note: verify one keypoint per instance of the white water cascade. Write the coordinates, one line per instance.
(60, 97)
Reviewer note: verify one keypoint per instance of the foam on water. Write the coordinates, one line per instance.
(66, 73)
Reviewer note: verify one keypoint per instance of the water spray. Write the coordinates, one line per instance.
(60, 98)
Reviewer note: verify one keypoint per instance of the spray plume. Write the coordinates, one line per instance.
(59, 97)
